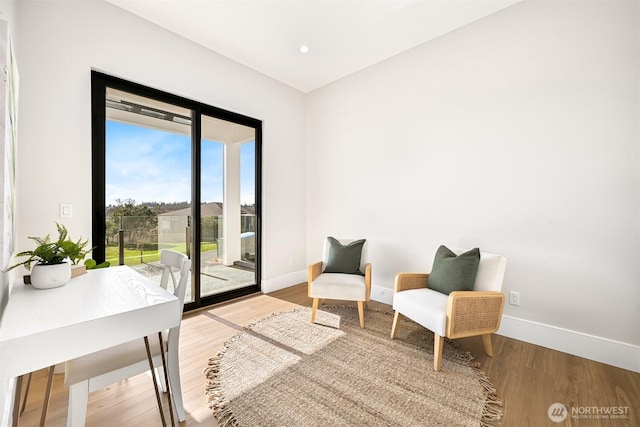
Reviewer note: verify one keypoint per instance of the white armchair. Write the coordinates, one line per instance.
(350, 280)
(459, 314)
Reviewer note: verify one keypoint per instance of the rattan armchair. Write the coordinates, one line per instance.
(338, 286)
(459, 314)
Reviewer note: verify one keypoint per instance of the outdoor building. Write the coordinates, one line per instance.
(173, 227)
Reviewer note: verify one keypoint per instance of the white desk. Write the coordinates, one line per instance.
(97, 310)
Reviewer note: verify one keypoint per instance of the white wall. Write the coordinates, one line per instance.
(7, 13)
(62, 41)
(518, 134)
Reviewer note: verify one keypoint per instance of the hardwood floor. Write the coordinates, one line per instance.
(527, 377)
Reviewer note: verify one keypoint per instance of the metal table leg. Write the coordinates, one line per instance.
(155, 382)
(166, 378)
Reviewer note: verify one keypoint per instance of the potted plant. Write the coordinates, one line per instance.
(53, 259)
(91, 264)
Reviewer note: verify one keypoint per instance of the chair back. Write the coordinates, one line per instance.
(364, 256)
(173, 261)
(490, 271)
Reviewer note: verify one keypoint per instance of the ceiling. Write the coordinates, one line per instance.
(343, 36)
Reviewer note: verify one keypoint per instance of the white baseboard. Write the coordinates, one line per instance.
(604, 350)
(380, 294)
(284, 281)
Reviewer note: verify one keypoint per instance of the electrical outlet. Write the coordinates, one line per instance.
(291, 261)
(514, 298)
(66, 210)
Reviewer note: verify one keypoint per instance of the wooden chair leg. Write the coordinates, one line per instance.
(47, 396)
(16, 401)
(314, 309)
(361, 313)
(488, 347)
(438, 344)
(394, 327)
(26, 393)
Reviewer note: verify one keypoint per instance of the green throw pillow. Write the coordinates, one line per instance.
(454, 273)
(344, 258)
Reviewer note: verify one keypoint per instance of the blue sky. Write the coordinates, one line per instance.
(150, 165)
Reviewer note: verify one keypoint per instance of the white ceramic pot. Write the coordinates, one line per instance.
(50, 276)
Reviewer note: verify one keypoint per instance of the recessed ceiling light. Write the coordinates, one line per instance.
(304, 49)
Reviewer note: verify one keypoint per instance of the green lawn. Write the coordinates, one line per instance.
(135, 257)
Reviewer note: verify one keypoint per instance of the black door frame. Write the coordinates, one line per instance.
(99, 84)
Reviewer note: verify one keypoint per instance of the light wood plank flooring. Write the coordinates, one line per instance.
(527, 377)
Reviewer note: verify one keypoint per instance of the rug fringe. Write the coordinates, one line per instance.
(491, 413)
(217, 401)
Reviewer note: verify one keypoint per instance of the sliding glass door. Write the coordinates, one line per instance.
(170, 173)
(228, 208)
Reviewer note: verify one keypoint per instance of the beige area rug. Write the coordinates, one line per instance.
(285, 371)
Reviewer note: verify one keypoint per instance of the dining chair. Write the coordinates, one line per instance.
(343, 274)
(98, 370)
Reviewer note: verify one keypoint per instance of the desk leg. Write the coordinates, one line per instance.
(166, 378)
(155, 382)
(16, 401)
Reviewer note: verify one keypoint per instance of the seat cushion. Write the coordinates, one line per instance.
(451, 272)
(339, 286)
(344, 258)
(424, 306)
(111, 359)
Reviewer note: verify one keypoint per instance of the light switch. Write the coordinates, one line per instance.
(65, 210)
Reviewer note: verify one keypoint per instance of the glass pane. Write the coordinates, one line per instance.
(248, 204)
(228, 206)
(148, 181)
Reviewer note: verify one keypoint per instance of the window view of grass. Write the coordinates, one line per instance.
(148, 255)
